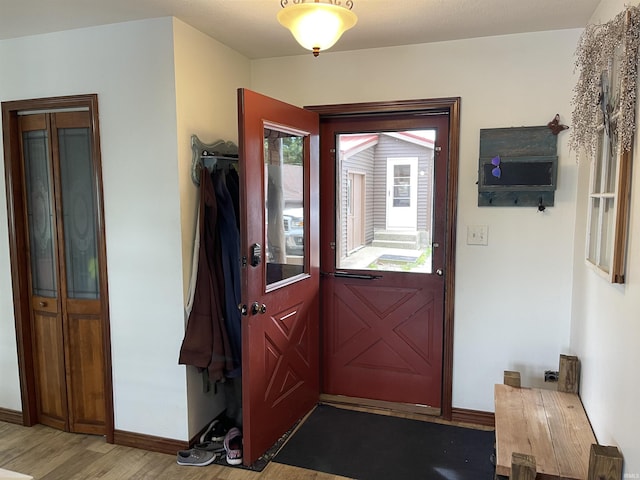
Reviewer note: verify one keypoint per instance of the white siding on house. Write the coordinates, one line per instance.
(390, 147)
(361, 162)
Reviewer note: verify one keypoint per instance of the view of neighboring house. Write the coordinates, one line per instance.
(386, 189)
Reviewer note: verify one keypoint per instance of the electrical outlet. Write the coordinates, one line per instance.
(551, 375)
(477, 235)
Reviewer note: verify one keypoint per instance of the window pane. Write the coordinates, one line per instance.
(596, 186)
(592, 240)
(611, 166)
(79, 213)
(385, 201)
(40, 213)
(284, 205)
(606, 239)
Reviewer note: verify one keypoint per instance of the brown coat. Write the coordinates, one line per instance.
(205, 344)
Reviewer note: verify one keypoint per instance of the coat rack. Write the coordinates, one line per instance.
(209, 155)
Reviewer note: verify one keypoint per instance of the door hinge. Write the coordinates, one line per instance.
(244, 261)
(438, 149)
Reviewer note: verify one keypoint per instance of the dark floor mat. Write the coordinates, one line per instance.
(377, 447)
(262, 461)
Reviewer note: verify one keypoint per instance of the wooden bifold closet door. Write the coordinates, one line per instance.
(66, 314)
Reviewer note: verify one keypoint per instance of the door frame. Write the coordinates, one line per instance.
(18, 241)
(450, 105)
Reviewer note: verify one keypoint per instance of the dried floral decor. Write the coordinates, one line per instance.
(607, 60)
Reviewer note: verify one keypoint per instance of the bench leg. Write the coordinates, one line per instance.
(605, 463)
(512, 378)
(523, 467)
(569, 374)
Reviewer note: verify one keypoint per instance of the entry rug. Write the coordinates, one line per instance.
(367, 446)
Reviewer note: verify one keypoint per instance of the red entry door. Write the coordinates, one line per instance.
(383, 304)
(279, 170)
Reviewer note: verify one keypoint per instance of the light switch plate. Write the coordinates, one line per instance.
(477, 235)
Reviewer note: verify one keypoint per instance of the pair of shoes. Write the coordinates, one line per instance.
(215, 432)
(196, 457)
(233, 446)
(216, 447)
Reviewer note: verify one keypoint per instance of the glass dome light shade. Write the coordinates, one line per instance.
(317, 26)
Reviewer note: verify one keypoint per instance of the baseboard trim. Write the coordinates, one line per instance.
(11, 416)
(148, 442)
(476, 417)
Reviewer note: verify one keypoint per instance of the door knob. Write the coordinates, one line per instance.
(258, 308)
(439, 272)
(243, 309)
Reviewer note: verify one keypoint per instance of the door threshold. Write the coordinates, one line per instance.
(394, 409)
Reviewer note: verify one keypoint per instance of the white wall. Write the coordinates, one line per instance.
(207, 77)
(605, 329)
(513, 297)
(131, 68)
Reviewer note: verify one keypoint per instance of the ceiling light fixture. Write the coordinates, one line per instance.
(317, 25)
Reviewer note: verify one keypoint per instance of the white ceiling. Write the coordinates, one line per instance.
(250, 26)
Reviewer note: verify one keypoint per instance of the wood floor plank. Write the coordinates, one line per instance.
(49, 454)
(522, 427)
(538, 433)
(571, 432)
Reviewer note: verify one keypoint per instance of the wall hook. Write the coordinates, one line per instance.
(541, 207)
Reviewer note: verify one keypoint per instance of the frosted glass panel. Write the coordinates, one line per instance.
(79, 213)
(40, 213)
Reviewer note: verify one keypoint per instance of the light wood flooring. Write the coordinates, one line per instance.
(48, 454)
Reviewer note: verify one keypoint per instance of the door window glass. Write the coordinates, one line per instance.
(79, 213)
(40, 213)
(284, 205)
(385, 195)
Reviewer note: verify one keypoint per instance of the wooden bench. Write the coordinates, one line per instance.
(551, 426)
(545, 434)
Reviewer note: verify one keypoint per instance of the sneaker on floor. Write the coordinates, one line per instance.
(233, 446)
(216, 447)
(215, 432)
(195, 457)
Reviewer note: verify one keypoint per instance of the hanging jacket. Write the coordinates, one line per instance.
(230, 250)
(206, 344)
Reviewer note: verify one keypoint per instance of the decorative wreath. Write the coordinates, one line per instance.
(593, 98)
